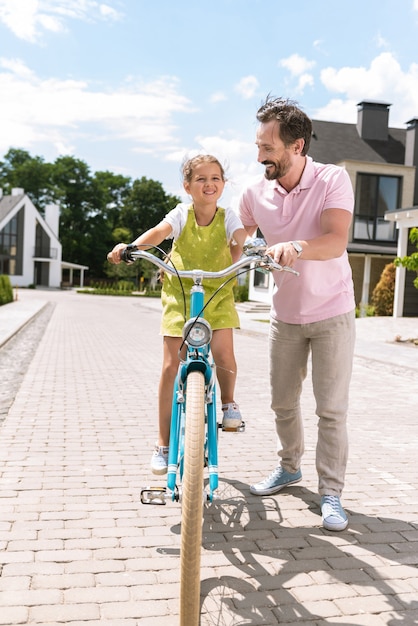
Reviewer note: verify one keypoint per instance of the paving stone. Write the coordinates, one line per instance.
(79, 425)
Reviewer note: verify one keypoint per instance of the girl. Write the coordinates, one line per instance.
(206, 237)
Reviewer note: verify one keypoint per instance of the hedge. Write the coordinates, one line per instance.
(6, 290)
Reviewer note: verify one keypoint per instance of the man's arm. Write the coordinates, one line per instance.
(331, 244)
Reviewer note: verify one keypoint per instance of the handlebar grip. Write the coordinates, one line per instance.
(126, 256)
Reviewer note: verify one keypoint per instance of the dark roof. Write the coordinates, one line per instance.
(333, 142)
(7, 203)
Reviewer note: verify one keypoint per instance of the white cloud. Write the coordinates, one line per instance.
(384, 80)
(338, 110)
(218, 96)
(59, 111)
(247, 86)
(109, 12)
(28, 19)
(381, 42)
(298, 67)
(303, 81)
(296, 64)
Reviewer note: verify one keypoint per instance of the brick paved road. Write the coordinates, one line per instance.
(78, 549)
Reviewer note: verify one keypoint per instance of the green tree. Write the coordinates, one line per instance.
(411, 261)
(20, 169)
(111, 193)
(74, 192)
(92, 206)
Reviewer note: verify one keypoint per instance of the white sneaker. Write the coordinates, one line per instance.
(231, 416)
(159, 460)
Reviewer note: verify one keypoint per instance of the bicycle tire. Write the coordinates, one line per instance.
(192, 501)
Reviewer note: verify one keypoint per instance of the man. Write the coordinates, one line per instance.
(304, 211)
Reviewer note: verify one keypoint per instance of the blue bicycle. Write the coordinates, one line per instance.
(194, 427)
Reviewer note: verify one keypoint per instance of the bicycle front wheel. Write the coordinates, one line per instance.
(192, 501)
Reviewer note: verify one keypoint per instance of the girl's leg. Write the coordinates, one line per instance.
(171, 346)
(222, 347)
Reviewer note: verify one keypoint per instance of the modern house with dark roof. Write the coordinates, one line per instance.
(381, 162)
(30, 251)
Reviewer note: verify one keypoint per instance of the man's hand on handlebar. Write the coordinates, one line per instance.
(283, 253)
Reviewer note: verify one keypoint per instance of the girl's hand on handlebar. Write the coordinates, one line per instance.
(114, 256)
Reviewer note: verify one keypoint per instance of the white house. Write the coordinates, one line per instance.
(30, 251)
(405, 219)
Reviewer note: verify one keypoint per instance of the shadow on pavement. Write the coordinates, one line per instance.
(278, 565)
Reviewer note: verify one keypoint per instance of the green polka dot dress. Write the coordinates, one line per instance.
(206, 248)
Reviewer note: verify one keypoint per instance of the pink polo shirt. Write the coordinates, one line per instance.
(324, 289)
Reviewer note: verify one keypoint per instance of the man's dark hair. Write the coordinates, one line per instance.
(293, 122)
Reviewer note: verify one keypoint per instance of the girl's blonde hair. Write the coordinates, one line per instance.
(189, 165)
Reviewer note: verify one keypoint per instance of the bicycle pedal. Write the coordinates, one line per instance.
(238, 429)
(154, 495)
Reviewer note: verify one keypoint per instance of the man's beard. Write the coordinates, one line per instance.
(278, 169)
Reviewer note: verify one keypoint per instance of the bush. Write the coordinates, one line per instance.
(6, 290)
(410, 262)
(241, 291)
(369, 312)
(384, 292)
(125, 285)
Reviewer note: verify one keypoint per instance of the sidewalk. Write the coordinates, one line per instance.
(376, 336)
(78, 548)
(17, 314)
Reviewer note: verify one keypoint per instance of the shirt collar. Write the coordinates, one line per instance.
(306, 181)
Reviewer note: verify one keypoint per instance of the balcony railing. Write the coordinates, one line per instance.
(45, 253)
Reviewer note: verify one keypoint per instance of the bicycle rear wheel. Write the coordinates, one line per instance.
(192, 501)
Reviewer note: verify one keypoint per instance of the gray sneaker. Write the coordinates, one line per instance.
(278, 479)
(333, 514)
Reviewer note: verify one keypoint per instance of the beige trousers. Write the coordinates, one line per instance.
(331, 343)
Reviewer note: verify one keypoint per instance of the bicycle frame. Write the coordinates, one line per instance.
(197, 359)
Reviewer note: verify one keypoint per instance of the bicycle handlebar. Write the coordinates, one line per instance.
(254, 252)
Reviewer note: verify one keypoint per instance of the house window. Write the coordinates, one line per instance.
(42, 243)
(10, 251)
(375, 195)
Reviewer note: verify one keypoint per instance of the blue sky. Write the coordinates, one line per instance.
(135, 86)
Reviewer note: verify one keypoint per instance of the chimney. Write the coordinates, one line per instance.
(411, 151)
(52, 217)
(373, 120)
(18, 191)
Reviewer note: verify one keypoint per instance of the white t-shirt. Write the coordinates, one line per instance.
(177, 218)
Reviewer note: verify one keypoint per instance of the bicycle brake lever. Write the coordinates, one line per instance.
(283, 268)
(267, 263)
